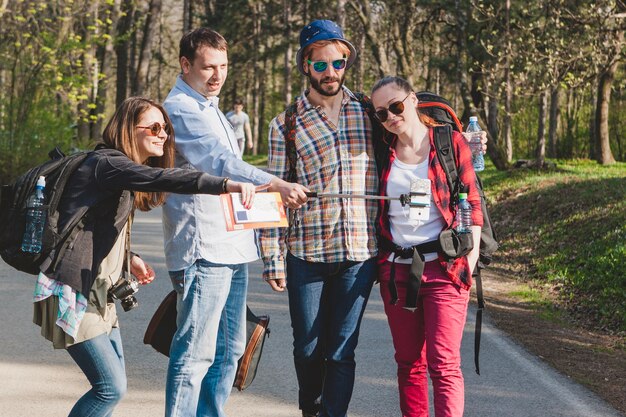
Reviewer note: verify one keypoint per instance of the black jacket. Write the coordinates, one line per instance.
(102, 188)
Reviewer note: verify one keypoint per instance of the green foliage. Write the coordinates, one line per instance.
(48, 125)
(47, 63)
(567, 228)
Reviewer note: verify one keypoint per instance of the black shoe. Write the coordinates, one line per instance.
(309, 413)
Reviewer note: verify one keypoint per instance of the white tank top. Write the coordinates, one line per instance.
(404, 231)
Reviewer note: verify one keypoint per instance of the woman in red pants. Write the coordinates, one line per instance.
(426, 309)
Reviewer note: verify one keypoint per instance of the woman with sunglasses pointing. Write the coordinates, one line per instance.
(131, 168)
(426, 338)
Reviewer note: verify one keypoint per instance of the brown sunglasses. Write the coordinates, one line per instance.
(397, 107)
(155, 128)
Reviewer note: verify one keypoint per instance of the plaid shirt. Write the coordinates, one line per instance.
(330, 160)
(457, 269)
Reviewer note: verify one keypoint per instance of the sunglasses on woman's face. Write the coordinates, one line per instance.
(397, 107)
(321, 66)
(155, 128)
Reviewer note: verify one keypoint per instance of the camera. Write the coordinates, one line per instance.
(123, 290)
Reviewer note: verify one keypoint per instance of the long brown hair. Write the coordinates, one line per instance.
(120, 134)
(405, 86)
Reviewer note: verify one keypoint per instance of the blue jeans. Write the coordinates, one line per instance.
(210, 338)
(102, 361)
(326, 303)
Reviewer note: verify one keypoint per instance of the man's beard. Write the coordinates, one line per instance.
(325, 90)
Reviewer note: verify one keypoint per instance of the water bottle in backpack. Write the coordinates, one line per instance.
(463, 215)
(35, 219)
(475, 144)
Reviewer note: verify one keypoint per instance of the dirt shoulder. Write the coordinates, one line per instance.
(594, 359)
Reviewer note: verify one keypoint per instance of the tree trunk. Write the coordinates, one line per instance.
(433, 78)
(555, 116)
(187, 15)
(360, 66)
(256, 106)
(461, 67)
(540, 153)
(145, 51)
(341, 14)
(508, 90)
(364, 12)
(288, 52)
(603, 145)
(3, 7)
(492, 120)
(592, 119)
(104, 55)
(260, 127)
(405, 66)
(91, 72)
(160, 62)
(122, 50)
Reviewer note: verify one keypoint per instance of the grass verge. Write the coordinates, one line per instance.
(565, 230)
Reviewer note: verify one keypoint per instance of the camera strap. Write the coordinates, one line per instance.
(127, 243)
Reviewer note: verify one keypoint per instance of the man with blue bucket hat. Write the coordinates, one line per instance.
(329, 266)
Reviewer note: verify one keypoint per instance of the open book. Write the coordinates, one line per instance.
(266, 211)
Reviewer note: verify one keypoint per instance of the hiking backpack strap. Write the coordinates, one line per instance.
(480, 301)
(290, 141)
(445, 153)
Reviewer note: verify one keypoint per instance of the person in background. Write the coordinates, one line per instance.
(426, 338)
(131, 168)
(241, 124)
(327, 262)
(207, 264)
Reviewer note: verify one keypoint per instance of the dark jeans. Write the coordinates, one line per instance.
(326, 303)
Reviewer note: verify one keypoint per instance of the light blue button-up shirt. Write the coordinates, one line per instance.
(193, 225)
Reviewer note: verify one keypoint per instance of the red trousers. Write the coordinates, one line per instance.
(427, 338)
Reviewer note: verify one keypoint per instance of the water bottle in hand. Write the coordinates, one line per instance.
(463, 215)
(475, 144)
(35, 219)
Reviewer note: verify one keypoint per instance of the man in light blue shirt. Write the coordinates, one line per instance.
(207, 264)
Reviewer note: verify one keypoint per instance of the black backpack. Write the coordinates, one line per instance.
(440, 110)
(13, 201)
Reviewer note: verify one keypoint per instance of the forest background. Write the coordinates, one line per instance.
(544, 77)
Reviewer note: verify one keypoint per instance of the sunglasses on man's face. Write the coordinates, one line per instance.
(397, 107)
(155, 128)
(321, 66)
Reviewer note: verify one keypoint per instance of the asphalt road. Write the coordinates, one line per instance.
(36, 380)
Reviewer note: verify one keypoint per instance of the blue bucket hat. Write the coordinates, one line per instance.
(322, 30)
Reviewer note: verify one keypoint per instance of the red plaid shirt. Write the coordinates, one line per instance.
(457, 269)
(330, 160)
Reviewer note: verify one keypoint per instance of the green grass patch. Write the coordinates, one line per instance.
(566, 228)
(256, 160)
(529, 295)
(538, 301)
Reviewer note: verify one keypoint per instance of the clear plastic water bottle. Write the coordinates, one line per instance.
(475, 145)
(35, 219)
(463, 215)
